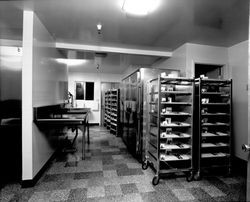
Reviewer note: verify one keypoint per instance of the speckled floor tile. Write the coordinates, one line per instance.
(93, 192)
(166, 196)
(53, 185)
(59, 168)
(77, 195)
(24, 195)
(89, 169)
(11, 188)
(88, 175)
(108, 167)
(113, 190)
(134, 165)
(134, 197)
(6, 198)
(117, 157)
(121, 166)
(107, 161)
(200, 194)
(110, 150)
(129, 188)
(183, 194)
(173, 184)
(58, 177)
(79, 184)
(40, 196)
(213, 191)
(110, 173)
(149, 196)
(59, 195)
(192, 184)
(105, 199)
(112, 181)
(145, 187)
(91, 162)
(96, 182)
(126, 172)
(229, 180)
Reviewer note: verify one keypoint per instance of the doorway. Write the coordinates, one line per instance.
(212, 71)
(11, 113)
(104, 87)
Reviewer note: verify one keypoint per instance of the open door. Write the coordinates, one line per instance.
(247, 146)
(212, 71)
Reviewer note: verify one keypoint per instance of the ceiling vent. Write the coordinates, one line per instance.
(100, 54)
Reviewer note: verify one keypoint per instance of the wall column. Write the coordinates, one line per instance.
(27, 114)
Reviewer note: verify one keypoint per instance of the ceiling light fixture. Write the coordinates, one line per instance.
(71, 62)
(99, 27)
(140, 7)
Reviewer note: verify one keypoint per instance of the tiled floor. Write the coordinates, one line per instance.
(110, 173)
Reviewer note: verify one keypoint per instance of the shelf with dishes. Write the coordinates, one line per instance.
(214, 155)
(214, 124)
(214, 98)
(213, 145)
(170, 126)
(112, 104)
(215, 134)
(174, 146)
(174, 157)
(165, 124)
(180, 93)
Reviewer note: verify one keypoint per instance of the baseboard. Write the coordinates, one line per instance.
(32, 182)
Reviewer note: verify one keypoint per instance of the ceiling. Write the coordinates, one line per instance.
(111, 63)
(175, 22)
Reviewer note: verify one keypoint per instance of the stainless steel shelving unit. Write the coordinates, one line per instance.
(112, 110)
(169, 146)
(134, 109)
(214, 101)
(107, 110)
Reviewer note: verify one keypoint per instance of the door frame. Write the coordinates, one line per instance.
(226, 72)
(248, 159)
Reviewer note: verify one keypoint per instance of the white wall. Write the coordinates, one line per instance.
(10, 73)
(208, 55)
(238, 62)
(131, 69)
(97, 78)
(177, 61)
(185, 56)
(42, 81)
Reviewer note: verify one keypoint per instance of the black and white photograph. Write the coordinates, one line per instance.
(125, 100)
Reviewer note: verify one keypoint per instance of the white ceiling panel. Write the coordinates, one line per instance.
(175, 22)
(211, 22)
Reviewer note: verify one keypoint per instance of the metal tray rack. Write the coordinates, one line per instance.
(169, 145)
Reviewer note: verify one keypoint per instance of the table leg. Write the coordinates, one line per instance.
(88, 131)
(83, 141)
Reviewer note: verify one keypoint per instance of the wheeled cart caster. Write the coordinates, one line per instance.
(145, 165)
(189, 176)
(229, 172)
(197, 176)
(155, 180)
